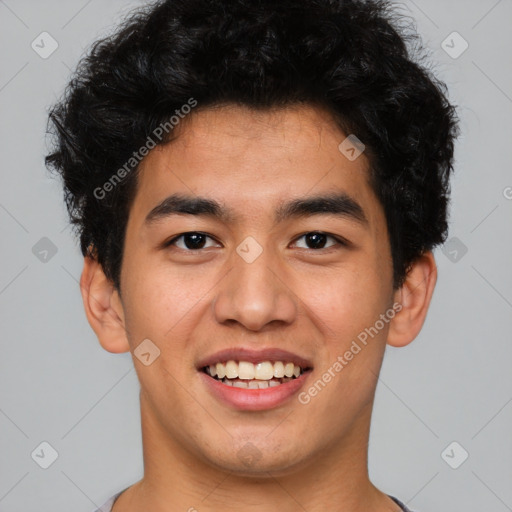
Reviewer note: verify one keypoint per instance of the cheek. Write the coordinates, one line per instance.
(158, 295)
(349, 303)
(164, 305)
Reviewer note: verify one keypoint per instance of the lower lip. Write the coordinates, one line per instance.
(254, 399)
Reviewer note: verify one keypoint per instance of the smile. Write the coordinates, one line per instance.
(244, 374)
(242, 378)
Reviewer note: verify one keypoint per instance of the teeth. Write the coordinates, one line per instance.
(231, 370)
(278, 369)
(221, 370)
(261, 372)
(288, 369)
(264, 371)
(254, 383)
(245, 370)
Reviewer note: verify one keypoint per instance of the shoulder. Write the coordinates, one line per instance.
(107, 506)
(400, 504)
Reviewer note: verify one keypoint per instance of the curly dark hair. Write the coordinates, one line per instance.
(357, 58)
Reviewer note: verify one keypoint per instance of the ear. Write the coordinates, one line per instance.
(414, 297)
(103, 307)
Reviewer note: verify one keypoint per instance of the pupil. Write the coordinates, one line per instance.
(316, 239)
(197, 241)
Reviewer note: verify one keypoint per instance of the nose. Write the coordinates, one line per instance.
(255, 294)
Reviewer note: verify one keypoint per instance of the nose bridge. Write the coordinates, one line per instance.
(253, 292)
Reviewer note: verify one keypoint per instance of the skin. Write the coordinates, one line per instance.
(311, 301)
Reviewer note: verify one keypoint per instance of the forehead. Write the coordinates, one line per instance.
(253, 160)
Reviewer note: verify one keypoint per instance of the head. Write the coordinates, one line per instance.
(307, 155)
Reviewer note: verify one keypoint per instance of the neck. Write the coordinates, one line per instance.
(175, 479)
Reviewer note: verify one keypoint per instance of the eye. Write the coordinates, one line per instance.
(193, 240)
(317, 240)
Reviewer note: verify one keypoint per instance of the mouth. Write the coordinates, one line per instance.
(245, 379)
(247, 375)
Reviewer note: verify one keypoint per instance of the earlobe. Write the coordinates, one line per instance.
(414, 297)
(103, 307)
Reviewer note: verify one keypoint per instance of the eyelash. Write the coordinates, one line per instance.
(339, 241)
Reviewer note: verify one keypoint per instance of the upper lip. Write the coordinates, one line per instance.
(254, 356)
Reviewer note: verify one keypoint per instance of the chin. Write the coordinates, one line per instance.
(252, 462)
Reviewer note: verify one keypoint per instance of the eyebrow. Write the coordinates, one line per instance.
(339, 204)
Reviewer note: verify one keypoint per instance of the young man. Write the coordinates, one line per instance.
(257, 187)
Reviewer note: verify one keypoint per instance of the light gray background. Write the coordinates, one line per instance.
(57, 384)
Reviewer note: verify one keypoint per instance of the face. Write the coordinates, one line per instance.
(264, 276)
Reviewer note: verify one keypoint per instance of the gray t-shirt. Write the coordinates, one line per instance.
(107, 507)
